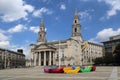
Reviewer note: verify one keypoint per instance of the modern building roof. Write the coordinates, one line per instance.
(115, 37)
(111, 41)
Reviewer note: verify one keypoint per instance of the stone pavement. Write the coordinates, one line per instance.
(36, 73)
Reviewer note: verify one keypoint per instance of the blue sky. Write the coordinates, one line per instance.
(20, 20)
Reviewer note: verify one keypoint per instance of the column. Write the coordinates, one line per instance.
(37, 61)
(5, 61)
(53, 57)
(39, 58)
(8, 64)
(2, 56)
(34, 59)
(50, 58)
(44, 58)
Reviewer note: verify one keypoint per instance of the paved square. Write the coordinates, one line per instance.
(36, 73)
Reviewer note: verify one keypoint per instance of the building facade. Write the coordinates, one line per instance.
(109, 46)
(11, 59)
(61, 52)
(91, 52)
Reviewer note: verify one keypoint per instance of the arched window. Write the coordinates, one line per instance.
(75, 29)
(40, 35)
(75, 21)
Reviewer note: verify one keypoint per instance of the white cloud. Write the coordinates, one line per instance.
(85, 14)
(4, 44)
(3, 37)
(29, 8)
(114, 7)
(34, 29)
(12, 10)
(45, 29)
(13, 47)
(62, 7)
(40, 12)
(2, 31)
(17, 28)
(104, 34)
(7, 45)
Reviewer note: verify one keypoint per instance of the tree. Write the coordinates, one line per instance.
(108, 58)
(98, 60)
(117, 54)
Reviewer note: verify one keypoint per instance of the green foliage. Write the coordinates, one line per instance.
(117, 54)
(108, 58)
(98, 60)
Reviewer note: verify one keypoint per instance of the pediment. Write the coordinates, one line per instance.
(44, 46)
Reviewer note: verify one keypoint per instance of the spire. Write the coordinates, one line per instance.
(42, 23)
(42, 27)
(76, 17)
(76, 27)
(76, 14)
(42, 33)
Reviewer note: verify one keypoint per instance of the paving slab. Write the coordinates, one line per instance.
(101, 73)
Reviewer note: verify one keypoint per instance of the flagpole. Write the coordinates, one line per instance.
(59, 53)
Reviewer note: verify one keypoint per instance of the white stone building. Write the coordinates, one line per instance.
(63, 52)
(91, 52)
(11, 59)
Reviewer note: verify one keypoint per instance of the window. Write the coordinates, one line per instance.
(57, 56)
(75, 21)
(0, 57)
(75, 29)
(40, 35)
(62, 55)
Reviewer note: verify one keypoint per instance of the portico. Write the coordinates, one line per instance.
(44, 58)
